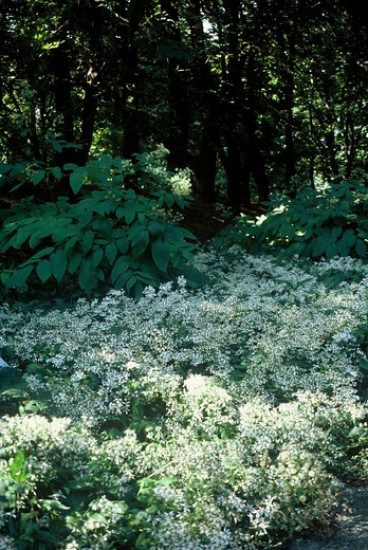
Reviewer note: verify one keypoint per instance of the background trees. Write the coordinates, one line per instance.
(261, 95)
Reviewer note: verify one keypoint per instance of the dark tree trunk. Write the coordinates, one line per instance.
(63, 100)
(233, 130)
(255, 161)
(289, 103)
(133, 125)
(349, 135)
(177, 71)
(204, 162)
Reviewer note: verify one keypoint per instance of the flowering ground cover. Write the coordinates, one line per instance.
(215, 419)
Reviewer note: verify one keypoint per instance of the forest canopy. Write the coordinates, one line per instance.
(252, 96)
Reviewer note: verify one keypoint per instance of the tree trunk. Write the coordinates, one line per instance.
(204, 162)
(177, 71)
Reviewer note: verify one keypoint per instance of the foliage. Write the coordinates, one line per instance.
(316, 224)
(185, 419)
(254, 88)
(112, 233)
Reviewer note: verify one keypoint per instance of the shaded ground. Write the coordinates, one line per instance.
(203, 220)
(351, 532)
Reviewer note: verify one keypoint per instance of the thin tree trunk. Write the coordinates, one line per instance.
(177, 70)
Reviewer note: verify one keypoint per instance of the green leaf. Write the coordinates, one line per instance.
(296, 248)
(40, 233)
(96, 257)
(360, 248)
(74, 262)
(139, 243)
(120, 267)
(58, 264)
(346, 242)
(123, 245)
(87, 241)
(120, 212)
(131, 283)
(332, 251)
(18, 279)
(156, 228)
(44, 252)
(86, 278)
(76, 179)
(111, 252)
(37, 177)
(321, 243)
(160, 251)
(18, 467)
(56, 172)
(130, 212)
(287, 230)
(336, 232)
(43, 270)
(85, 219)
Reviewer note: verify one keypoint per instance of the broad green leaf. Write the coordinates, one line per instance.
(121, 280)
(156, 228)
(123, 245)
(296, 248)
(96, 257)
(40, 233)
(287, 230)
(74, 262)
(18, 467)
(139, 243)
(105, 207)
(87, 241)
(64, 232)
(360, 248)
(58, 264)
(71, 242)
(321, 243)
(44, 252)
(347, 241)
(86, 277)
(56, 172)
(131, 282)
(76, 180)
(130, 212)
(120, 212)
(336, 232)
(111, 252)
(120, 267)
(43, 270)
(19, 278)
(84, 219)
(332, 251)
(38, 176)
(161, 254)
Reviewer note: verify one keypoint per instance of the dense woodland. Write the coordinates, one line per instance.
(160, 389)
(252, 96)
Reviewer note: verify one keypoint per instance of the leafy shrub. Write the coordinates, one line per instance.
(315, 224)
(112, 234)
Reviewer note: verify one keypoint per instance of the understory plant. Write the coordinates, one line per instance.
(114, 234)
(216, 419)
(316, 224)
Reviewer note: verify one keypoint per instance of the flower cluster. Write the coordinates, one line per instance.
(215, 419)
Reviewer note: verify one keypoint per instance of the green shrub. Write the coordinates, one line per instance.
(316, 224)
(112, 234)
